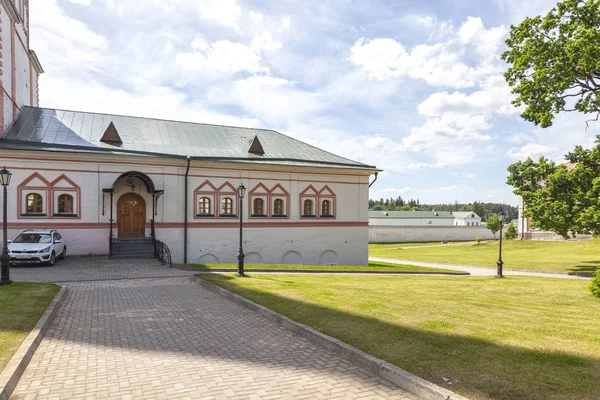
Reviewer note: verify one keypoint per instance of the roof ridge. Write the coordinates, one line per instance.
(152, 118)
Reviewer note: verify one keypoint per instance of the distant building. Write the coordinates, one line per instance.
(466, 218)
(410, 218)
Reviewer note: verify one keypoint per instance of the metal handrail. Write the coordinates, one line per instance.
(163, 253)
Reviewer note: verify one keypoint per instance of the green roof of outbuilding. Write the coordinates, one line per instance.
(411, 214)
(74, 131)
(465, 214)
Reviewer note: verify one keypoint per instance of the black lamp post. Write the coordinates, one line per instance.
(500, 263)
(241, 193)
(4, 258)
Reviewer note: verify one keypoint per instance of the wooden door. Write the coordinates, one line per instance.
(131, 216)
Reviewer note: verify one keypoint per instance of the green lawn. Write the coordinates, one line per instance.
(516, 254)
(511, 338)
(373, 266)
(21, 306)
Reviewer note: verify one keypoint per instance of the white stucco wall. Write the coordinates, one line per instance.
(378, 234)
(342, 239)
(411, 221)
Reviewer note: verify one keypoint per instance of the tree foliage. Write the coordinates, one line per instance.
(511, 232)
(561, 198)
(555, 62)
(493, 223)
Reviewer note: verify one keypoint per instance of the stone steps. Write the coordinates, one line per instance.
(134, 248)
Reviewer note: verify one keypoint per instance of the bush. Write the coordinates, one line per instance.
(595, 285)
(511, 232)
(477, 240)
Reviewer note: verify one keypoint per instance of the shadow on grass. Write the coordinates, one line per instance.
(477, 368)
(588, 268)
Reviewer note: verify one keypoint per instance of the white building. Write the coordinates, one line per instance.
(466, 218)
(103, 179)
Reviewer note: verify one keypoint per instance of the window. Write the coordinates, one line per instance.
(278, 207)
(34, 203)
(326, 208)
(258, 207)
(65, 204)
(204, 206)
(308, 208)
(227, 206)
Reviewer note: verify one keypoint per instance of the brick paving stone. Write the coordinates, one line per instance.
(139, 330)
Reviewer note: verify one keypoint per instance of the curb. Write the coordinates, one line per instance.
(9, 378)
(316, 271)
(381, 368)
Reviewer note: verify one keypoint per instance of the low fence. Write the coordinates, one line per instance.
(551, 236)
(399, 234)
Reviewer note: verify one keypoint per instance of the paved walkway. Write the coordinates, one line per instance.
(475, 271)
(169, 338)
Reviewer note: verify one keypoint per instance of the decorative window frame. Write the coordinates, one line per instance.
(310, 193)
(260, 191)
(278, 192)
(56, 190)
(206, 189)
(228, 190)
(327, 194)
(24, 188)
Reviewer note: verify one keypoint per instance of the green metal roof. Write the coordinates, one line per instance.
(465, 214)
(411, 214)
(74, 131)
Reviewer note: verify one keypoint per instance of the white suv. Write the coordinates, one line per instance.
(38, 247)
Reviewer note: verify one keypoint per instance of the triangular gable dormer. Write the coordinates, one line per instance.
(260, 189)
(278, 189)
(326, 191)
(111, 136)
(309, 191)
(256, 147)
(35, 180)
(64, 182)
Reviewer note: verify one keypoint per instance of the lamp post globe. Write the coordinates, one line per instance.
(241, 193)
(5, 176)
(500, 263)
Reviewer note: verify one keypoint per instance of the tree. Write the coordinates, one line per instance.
(562, 199)
(493, 224)
(511, 232)
(555, 62)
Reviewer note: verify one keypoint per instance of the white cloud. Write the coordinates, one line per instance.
(418, 166)
(221, 56)
(449, 188)
(82, 2)
(256, 17)
(265, 41)
(426, 21)
(404, 190)
(532, 150)
(225, 12)
(494, 97)
(385, 58)
(285, 22)
(487, 42)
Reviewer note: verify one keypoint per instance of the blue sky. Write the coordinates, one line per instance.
(413, 87)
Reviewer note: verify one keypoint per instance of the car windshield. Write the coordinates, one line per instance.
(33, 238)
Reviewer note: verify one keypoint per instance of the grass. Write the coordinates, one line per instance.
(373, 266)
(21, 306)
(485, 338)
(517, 254)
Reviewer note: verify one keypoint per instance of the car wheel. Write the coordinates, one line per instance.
(63, 255)
(52, 259)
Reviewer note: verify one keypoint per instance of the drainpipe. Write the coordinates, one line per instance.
(371, 184)
(185, 210)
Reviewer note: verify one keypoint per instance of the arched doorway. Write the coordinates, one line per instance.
(131, 216)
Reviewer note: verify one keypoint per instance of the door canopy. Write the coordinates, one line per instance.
(139, 175)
